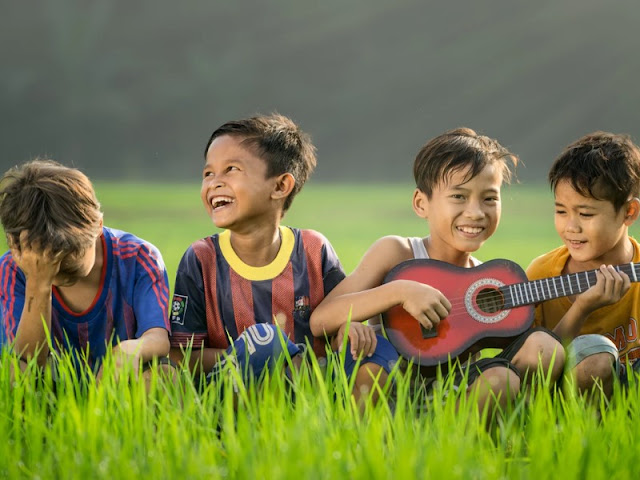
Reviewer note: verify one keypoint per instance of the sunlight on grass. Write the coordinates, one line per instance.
(115, 429)
(309, 428)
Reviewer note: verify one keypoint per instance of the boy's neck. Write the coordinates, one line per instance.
(258, 247)
(449, 255)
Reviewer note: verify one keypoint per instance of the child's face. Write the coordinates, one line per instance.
(235, 191)
(591, 229)
(462, 214)
(75, 266)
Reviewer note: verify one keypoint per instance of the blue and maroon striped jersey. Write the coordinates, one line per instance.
(217, 296)
(132, 298)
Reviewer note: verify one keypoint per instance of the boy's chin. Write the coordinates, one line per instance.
(64, 282)
(471, 246)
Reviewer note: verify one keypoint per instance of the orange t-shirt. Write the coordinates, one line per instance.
(618, 322)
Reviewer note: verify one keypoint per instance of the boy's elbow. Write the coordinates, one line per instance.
(164, 347)
(158, 342)
(315, 325)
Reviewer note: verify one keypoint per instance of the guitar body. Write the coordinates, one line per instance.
(477, 319)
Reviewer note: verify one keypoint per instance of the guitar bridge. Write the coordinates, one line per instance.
(433, 333)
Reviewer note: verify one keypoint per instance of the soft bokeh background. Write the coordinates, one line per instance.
(131, 90)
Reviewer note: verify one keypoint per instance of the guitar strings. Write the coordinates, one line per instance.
(546, 286)
(495, 294)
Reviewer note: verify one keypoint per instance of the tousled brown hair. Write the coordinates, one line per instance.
(55, 204)
(600, 165)
(457, 150)
(283, 146)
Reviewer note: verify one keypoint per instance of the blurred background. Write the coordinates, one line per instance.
(132, 90)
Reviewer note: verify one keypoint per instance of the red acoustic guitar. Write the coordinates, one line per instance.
(490, 305)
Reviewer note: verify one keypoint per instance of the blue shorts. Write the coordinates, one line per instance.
(385, 355)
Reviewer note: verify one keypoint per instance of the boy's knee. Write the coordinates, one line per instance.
(600, 366)
(502, 381)
(541, 350)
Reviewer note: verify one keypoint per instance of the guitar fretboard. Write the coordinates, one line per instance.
(527, 293)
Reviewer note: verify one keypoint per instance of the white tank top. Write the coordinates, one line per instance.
(420, 251)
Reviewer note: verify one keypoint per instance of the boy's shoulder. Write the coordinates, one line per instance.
(395, 248)
(549, 264)
(125, 245)
(309, 240)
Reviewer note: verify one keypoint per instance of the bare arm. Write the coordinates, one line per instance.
(201, 360)
(152, 343)
(364, 295)
(40, 268)
(610, 287)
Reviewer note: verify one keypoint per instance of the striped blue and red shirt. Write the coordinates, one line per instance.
(217, 296)
(132, 298)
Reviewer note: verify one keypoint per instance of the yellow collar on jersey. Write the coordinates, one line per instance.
(267, 272)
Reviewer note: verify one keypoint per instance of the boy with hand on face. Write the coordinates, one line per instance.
(93, 288)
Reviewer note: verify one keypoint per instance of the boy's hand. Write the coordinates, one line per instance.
(611, 285)
(362, 337)
(127, 352)
(426, 304)
(37, 264)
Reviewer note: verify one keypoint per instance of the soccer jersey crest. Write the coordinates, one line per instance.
(179, 308)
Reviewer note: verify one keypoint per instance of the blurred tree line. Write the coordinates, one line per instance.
(133, 89)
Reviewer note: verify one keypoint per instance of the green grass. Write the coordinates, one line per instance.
(115, 430)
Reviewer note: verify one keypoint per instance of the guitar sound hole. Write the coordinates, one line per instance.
(490, 300)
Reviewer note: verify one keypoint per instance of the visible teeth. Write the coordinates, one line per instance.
(221, 201)
(471, 230)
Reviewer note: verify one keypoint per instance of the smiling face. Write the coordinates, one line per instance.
(463, 213)
(593, 231)
(235, 191)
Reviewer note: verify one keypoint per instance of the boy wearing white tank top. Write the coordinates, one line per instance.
(458, 177)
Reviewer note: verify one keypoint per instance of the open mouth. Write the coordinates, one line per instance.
(470, 230)
(576, 243)
(220, 202)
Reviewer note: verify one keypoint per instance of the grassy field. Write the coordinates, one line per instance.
(115, 430)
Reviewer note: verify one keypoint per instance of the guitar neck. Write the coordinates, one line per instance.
(527, 293)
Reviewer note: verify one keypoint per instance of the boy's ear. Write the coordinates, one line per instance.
(633, 210)
(420, 203)
(283, 186)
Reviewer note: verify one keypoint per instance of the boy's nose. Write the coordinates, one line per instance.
(573, 226)
(475, 211)
(216, 182)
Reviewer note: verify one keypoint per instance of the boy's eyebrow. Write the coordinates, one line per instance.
(225, 160)
(460, 187)
(590, 207)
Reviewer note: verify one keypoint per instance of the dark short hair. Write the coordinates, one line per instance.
(600, 165)
(56, 204)
(283, 146)
(457, 150)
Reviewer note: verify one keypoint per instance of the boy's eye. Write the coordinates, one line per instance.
(457, 196)
(560, 212)
(586, 215)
